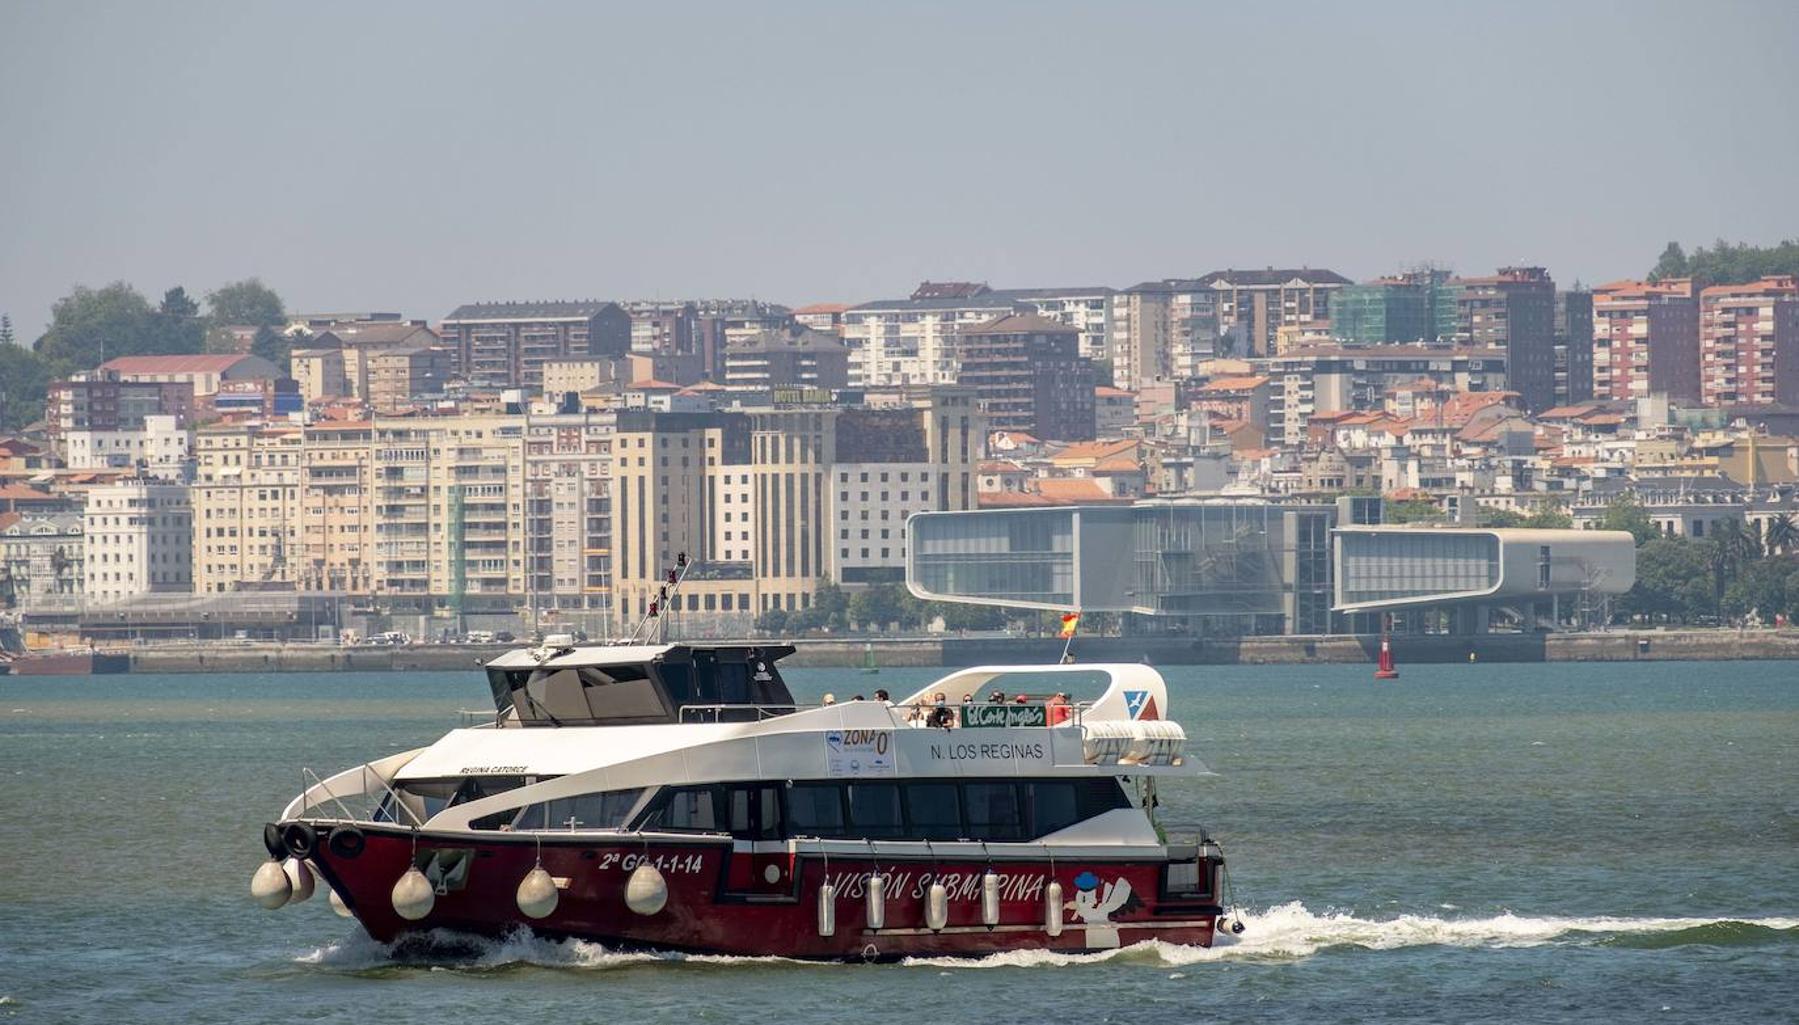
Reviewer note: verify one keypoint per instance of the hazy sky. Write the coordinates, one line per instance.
(413, 157)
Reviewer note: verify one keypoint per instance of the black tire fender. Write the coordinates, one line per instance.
(271, 839)
(300, 839)
(346, 842)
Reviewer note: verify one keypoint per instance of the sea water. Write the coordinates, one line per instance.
(1503, 843)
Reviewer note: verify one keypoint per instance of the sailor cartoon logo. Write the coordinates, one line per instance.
(1095, 903)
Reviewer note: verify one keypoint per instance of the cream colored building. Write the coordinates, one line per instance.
(320, 373)
(246, 506)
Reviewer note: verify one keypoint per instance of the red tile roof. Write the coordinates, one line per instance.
(201, 363)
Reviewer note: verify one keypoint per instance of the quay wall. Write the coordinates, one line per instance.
(1616, 646)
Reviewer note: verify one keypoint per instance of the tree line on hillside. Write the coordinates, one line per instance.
(92, 325)
(1727, 263)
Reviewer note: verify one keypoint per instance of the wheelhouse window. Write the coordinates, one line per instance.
(875, 811)
(933, 811)
(815, 809)
(607, 810)
(994, 812)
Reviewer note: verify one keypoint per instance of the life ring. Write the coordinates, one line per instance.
(347, 842)
(301, 839)
(271, 839)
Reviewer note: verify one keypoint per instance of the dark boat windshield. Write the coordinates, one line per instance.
(683, 684)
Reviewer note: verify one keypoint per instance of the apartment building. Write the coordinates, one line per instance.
(137, 539)
(159, 447)
(319, 374)
(1028, 375)
(1749, 343)
(89, 403)
(1162, 330)
(1514, 310)
(1573, 347)
(897, 342)
(825, 317)
(399, 378)
(358, 343)
(247, 525)
(505, 344)
(1646, 340)
(568, 519)
(789, 359)
(205, 372)
(41, 560)
(1253, 305)
(1322, 380)
(1087, 309)
(1417, 307)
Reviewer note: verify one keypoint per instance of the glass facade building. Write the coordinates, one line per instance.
(1219, 567)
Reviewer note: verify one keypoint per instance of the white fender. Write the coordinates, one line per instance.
(877, 901)
(537, 895)
(827, 910)
(936, 907)
(270, 886)
(299, 874)
(1052, 908)
(990, 898)
(337, 903)
(646, 892)
(412, 895)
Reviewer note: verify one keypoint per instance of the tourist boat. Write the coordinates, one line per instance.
(676, 797)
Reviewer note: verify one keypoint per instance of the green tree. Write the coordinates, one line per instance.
(1673, 582)
(1548, 517)
(177, 304)
(92, 325)
(1764, 588)
(273, 346)
(773, 622)
(1502, 518)
(248, 303)
(1626, 513)
(24, 382)
(1782, 534)
(875, 606)
(6, 332)
(1673, 263)
(1415, 510)
(832, 605)
(1729, 263)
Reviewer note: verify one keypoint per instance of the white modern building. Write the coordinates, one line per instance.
(138, 538)
(913, 341)
(161, 448)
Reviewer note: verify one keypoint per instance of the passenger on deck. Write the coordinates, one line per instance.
(1020, 699)
(881, 696)
(830, 699)
(1059, 709)
(942, 715)
(998, 697)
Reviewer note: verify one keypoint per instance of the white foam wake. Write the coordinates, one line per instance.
(1290, 931)
(1284, 932)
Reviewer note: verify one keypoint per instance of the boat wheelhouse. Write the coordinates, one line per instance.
(678, 797)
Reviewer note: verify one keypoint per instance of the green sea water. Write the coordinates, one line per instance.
(1554, 843)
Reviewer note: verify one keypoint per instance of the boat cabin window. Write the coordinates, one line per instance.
(427, 797)
(715, 685)
(607, 810)
(997, 811)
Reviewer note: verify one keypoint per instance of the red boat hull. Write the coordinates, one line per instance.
(724, 902)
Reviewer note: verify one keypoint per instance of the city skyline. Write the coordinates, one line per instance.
(816, 154)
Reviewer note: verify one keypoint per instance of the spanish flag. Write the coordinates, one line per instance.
(1070, 620)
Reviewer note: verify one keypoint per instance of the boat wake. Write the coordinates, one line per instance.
(1282, 933)
(1290, 931)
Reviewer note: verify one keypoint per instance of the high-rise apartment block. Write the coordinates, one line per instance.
(1028, 375)
(1573, 347)
(1254, 305)
(505, 345)
(1162, 330)
(1514, 310)
(1418, 307)
(1749, 343)
(896, 342)
(1646, 340)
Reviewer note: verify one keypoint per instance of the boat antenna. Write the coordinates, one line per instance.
(667, 592)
